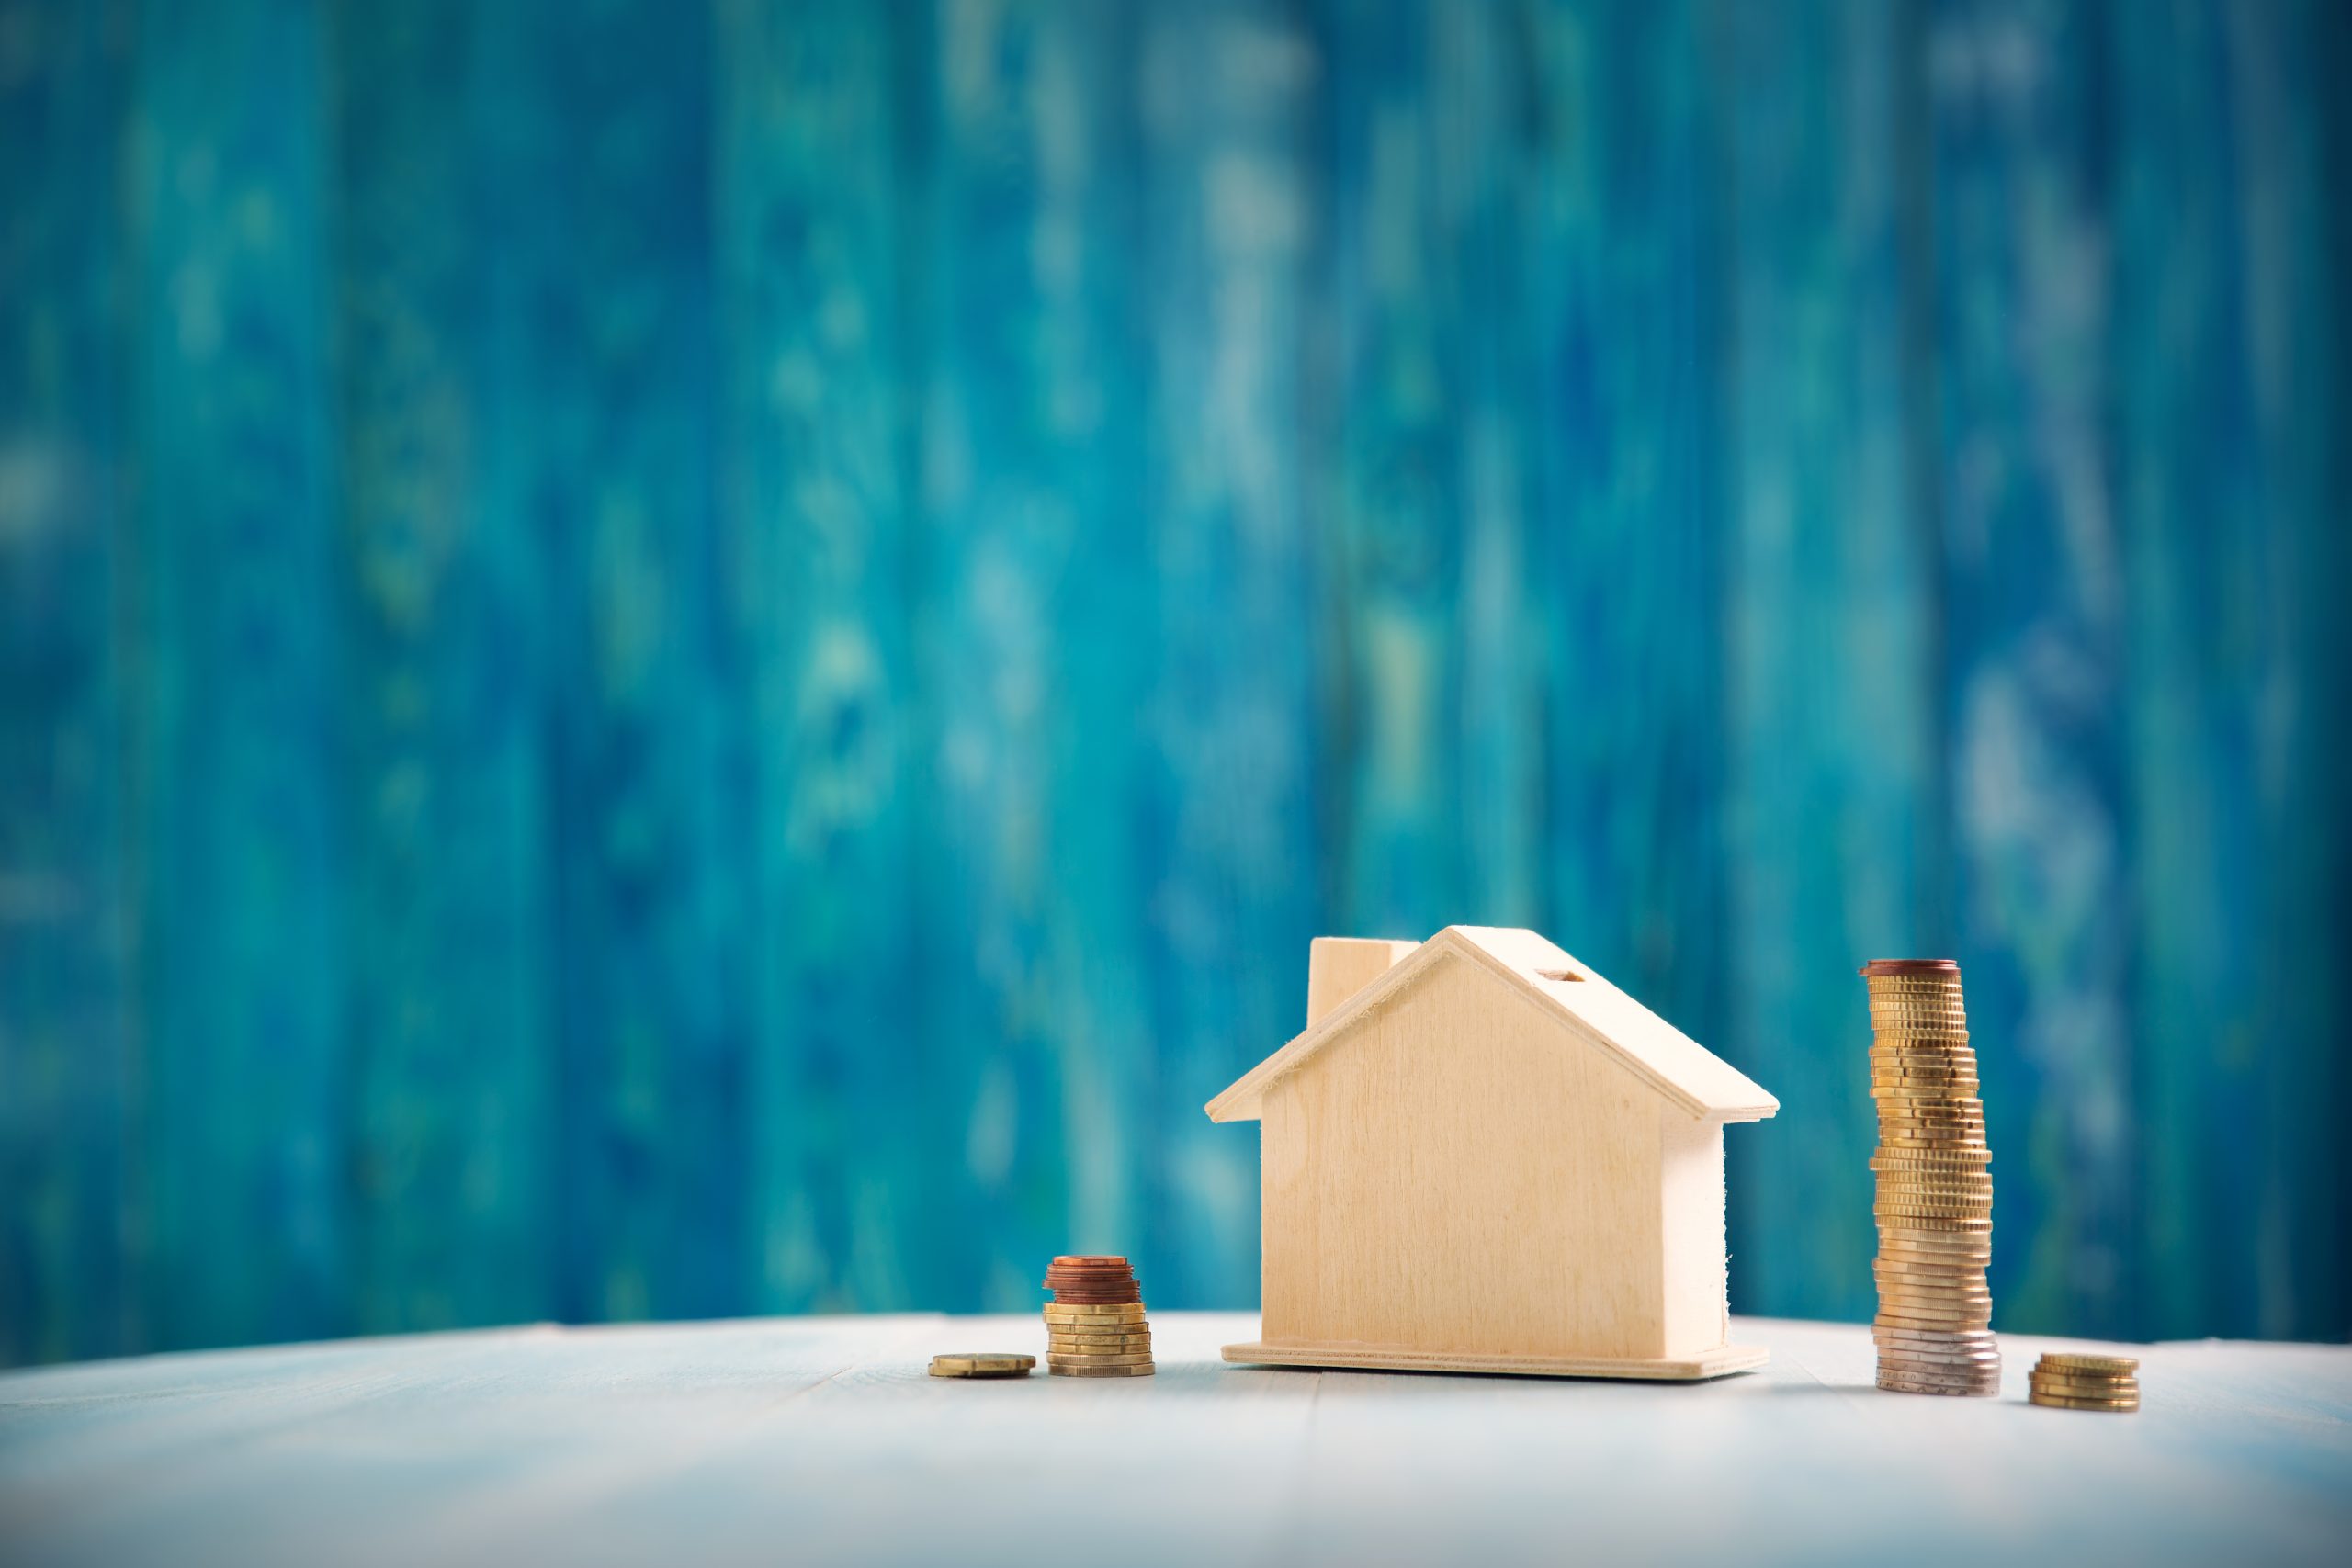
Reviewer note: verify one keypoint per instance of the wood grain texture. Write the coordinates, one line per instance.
(651, 884)
(243, 1142)
(1618, 426)
(1555, 986)
(668, 660)
(2225, 385)
(825, 1439)
(1339, 966)
(446, 844)
(1720, 1362)
(818, 540)
(2033, 681)
(68, 1076)
(1834, 785)
(1229, 174)
(1460, 1175)
(1035, 907)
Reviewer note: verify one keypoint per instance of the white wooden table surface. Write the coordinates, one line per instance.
(822, 1440)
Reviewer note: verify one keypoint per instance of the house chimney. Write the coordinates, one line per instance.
(1339, 966)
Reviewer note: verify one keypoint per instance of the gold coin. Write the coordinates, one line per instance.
(2060, 1402)
(1933, 1247)
(1889, 1191)
(1116, 1359)
(1895, 1236)
(1932, 1268)
(1957, 1321)
(1915, 1294)
(1090, 1370)
(1891, 1297)
(1061, 1347)
(2056, 1359)
(1957, 1165)
(982, 1364)
(2079, 1388)
(1129, 1312)
(1945, 1310)
(1956, 1179)
(1940, 1265)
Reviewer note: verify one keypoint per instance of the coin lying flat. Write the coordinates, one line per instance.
(982, 1364)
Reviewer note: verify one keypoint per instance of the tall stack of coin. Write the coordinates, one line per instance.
(1094, 1324)
(1935, 1184)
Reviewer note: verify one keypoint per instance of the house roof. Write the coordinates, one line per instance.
(1653, 1050)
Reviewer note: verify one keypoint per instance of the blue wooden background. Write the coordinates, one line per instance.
(670, 659)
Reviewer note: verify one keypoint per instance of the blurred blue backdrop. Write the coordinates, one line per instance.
(675, 660)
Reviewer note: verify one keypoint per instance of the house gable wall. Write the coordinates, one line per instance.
(1458, 1176)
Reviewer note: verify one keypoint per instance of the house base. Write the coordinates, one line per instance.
(1396, 1358)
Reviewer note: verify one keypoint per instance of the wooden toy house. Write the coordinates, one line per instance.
(1482, 1157)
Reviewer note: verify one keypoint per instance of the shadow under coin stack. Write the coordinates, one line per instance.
(1094, 1324)
(1935, 1184)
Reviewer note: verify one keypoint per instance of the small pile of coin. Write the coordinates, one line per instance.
(1094, 1324)
(2084, 1382)
(1935, 1184)
(982, 1364)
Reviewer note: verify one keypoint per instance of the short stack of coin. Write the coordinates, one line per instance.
(1935, 1184)
(2084, 1382)
(1094, 1324)
(982, 1364)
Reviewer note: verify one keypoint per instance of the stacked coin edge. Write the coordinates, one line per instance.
(1934, 1200)
(1095, 1325)
(2061, 1381)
